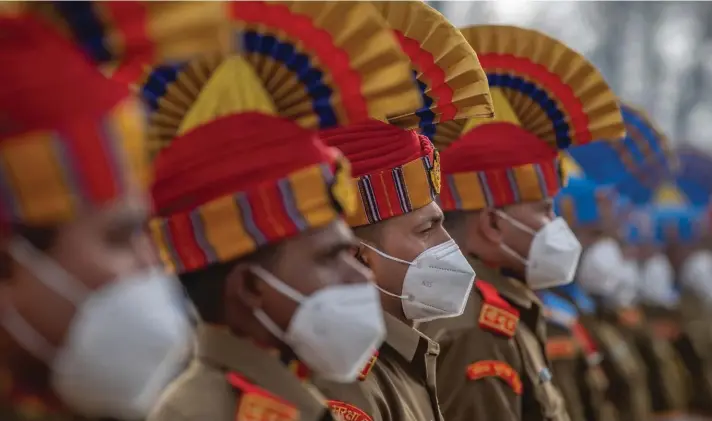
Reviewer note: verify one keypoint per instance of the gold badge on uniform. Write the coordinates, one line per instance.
(367, 369)
(498, 320)
(346, 412)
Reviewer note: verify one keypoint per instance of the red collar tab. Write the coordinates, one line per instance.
(497, 314)
(367, 368)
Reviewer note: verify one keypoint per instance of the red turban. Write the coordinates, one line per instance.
(240, 182)
(69, 138)
(397, 170)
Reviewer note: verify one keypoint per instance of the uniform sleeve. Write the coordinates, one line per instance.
(622, 365)
(469, 388)
(568, 368)
(665, 384)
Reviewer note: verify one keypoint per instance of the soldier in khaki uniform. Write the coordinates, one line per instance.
(78, 269)
(250, 203)
(499, 179)
(575, 361)
(681, 230)
(600, 274)
(629, 167)
(419, 270)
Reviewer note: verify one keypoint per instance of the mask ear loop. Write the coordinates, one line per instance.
(406, 297)
(283, 289)
(26, 335)
(521, 227)
(44, 269)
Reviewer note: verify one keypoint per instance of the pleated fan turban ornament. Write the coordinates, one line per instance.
(70, 139)
(637, 164)
(124, 37)
(547, 97)
(396, 169)
(239, 164)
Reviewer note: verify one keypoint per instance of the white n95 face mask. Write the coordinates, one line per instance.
(657, 282)
(598, 270)
(696, 274)
(553, 254)
(126, 342)
(626, 293)
(437, 283)
(334, 331)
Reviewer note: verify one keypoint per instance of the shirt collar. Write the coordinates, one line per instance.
(405, 339)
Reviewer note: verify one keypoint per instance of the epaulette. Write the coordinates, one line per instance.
(497, 314)
(257, 404)
(558, 310)
(493, 368)
(367, 368)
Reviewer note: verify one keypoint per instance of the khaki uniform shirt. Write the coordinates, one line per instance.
(483, 375)
(695, 348)
(400, 385)
(231, 379)
(666, 384)
(8, 414)
(624, 370)
(575, 363)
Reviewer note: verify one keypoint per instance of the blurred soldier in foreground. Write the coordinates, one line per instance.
(90, 325)
(499, 180)
(589, 210)
(250, 205)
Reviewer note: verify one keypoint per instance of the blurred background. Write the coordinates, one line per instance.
(655, 55)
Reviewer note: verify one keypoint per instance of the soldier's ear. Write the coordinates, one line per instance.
(362, 255)
(244, 287)
(489, 225)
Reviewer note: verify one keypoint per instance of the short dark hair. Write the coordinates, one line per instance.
(370, 233)
(205, 286)
(453, 219)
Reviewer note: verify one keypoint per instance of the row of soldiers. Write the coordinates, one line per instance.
(354, 243)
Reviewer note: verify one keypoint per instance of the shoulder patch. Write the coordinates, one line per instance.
(257, 404)
(492, 368)
(497, 315)
(367, 368)
(560, 348)
(343, 411)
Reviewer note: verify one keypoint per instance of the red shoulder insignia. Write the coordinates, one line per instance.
(490, 368)
(497, 314)
(367, 368)
(560, 348)
(346, 412)
(257, 404)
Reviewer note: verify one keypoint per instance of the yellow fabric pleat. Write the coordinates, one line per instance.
(503, 112)
(233, 88)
